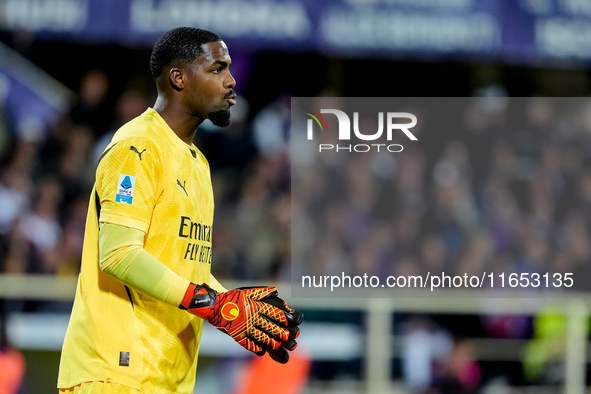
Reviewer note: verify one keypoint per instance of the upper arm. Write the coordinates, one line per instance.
(115, 243)
(129, 182)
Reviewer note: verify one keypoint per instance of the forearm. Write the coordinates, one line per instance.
(216, 285)
(121, 255)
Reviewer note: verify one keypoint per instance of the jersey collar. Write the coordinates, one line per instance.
(174, 138)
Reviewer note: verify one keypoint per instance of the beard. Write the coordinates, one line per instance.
(220, 118)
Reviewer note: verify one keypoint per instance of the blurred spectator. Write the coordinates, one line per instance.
(14, 200)
(424, 346)
(461, 373)
(74, 166)
(91, 109)
(261, 375)
(70, 246)
(544, 355)
(271, 127)
(12, 364)
(40, 229)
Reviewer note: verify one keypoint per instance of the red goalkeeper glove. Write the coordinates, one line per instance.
(254, 317)
(294, 318)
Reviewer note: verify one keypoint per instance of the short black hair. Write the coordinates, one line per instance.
(179, 44)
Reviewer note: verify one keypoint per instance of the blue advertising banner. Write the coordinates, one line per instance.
(522, 30)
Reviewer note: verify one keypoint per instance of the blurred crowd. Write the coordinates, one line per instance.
(46, 177)
(493, 184)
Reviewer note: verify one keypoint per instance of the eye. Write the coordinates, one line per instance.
(217, 70)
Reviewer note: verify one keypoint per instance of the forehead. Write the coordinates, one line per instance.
(214, 52)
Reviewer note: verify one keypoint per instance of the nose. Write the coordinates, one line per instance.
(230, 82)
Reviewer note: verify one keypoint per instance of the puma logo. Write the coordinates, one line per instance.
(133, 148)
(182, 186)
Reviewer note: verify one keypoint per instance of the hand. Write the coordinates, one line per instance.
(254, 317)
(294, 319)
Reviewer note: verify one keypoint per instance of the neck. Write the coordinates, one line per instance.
(178, 119)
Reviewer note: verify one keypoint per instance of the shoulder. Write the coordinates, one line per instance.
(139, 138)
(140, 147)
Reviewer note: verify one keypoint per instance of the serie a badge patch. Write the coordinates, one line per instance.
(125, 188)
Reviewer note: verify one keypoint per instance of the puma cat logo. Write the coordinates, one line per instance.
(133, 148)
(182, 186)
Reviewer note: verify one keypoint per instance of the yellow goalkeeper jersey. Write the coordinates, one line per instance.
(147, 179)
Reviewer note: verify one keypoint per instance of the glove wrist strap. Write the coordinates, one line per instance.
(199, 299)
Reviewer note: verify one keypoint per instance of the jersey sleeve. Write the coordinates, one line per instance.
(129, 182)
(215, 284)
(121, 255)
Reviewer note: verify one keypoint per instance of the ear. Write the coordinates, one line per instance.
(175, 77)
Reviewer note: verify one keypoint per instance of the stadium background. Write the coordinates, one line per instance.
(72, 71)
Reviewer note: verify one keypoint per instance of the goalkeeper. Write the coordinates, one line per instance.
(145, 287)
